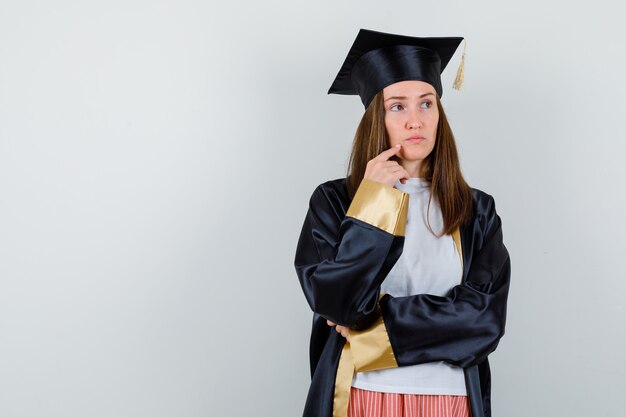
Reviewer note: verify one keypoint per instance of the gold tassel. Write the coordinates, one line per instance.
(460, 73)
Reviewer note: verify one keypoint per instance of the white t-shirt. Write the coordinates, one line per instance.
(427, 265)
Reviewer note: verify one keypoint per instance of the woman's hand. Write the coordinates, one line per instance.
(382, 170)
(340, 329)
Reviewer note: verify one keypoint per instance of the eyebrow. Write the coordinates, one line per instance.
(404, 97)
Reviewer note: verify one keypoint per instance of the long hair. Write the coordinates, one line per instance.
(441, 167)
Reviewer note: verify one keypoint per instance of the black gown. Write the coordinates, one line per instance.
(346, 249)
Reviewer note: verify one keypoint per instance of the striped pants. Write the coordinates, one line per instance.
(365, 403)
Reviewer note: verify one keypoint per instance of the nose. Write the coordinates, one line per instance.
(413, 121)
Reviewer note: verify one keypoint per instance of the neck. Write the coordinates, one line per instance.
(414, 168)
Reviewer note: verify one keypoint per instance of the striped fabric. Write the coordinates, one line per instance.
(365, 403)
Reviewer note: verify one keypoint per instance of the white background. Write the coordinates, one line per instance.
(156, 161)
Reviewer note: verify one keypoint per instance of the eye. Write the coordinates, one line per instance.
(426, 105)
(395, 105)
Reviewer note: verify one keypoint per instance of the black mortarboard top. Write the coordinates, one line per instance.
(379, 59)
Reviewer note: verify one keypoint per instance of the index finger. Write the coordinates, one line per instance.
(387, 153)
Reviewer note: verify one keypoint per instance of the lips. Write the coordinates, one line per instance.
(415, 139)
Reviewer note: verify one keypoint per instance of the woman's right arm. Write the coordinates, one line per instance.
(341, 262)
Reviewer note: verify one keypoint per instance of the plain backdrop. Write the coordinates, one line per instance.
(156, 162)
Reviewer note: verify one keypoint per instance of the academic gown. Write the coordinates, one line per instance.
(346, 249)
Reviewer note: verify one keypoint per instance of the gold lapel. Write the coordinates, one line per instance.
(456, 235)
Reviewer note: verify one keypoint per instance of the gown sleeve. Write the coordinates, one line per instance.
(342, 260)
(461, 328)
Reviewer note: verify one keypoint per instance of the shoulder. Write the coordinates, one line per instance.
(337, 185)
(333, 192)
(482, 200)
(328, 205)
(485, 215)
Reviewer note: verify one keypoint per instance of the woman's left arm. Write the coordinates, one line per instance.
(461, 328)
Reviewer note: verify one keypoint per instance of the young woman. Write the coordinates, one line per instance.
(402, 262)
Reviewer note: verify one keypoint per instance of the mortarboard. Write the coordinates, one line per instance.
(378, 59)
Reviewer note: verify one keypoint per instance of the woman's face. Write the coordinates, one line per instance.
(411, 117)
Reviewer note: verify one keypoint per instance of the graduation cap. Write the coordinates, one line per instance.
(379, 59)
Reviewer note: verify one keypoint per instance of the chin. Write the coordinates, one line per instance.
(414, 156)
